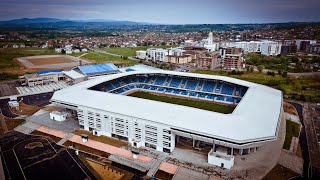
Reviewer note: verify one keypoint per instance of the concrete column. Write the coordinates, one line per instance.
(248, 150)
(214, 146)
(193, 142)
(254, 149)
(231, 151)
(240, 151)
(178, 138)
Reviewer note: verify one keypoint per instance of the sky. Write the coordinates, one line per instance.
(166, 11)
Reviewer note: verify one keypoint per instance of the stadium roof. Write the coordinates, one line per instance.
(255, 118)
(47, 71)
(97, 69)
(139, 67)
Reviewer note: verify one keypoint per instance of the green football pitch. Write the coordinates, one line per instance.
(185, 102)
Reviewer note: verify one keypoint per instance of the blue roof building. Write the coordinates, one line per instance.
(47, 71)
(97, 69)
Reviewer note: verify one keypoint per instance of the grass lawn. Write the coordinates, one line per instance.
(103, 139)
(185, 102)
(127, 51)
(97, 57)
(7, 55)
(305, 89)
(292, 130)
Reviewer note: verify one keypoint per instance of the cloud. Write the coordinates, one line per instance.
(167, 11)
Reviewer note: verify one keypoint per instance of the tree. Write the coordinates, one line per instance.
(260, 68)
(63, 51)
(248, 68)
(251, 68)
(284, 74)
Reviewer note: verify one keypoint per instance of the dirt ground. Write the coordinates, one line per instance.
(54, 138)
(8, 124)
(25, 109)
(51, 60)
(103, 139)
(280, 173)
(102, 171)
(289, 109)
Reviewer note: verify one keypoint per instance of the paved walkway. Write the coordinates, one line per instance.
(291, 161)
(155, 166)
(95, 144)
(169, 168)
(65, 139)
(27, 127)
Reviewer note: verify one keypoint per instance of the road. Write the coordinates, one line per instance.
(310, 115)
(303, 139)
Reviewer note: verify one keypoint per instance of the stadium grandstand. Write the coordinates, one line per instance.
(105, 107)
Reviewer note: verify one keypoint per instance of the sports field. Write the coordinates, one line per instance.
(49, 60)
(209, 106)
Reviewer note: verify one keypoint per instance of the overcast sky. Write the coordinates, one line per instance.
(166, 11)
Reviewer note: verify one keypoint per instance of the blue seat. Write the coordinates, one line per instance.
(227, 89)
(191, 84)
(208, 86)
(175, 82)
(184, 93)
(146, 87)
(116, 84)
(230, 100)
(168, 90)
(219, 98)
(159, 81)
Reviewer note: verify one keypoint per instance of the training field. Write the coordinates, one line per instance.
(205, 105)
(49, 60)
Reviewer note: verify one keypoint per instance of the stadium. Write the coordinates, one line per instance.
(158, 109)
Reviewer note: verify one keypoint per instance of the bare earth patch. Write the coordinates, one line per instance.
(25, 109)
(51, 60)
(102, 139)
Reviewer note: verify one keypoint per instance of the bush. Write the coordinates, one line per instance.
(6, 76)
(273, 83)
(284, 74)
(271, 73)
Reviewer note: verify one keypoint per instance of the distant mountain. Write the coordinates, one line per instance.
(54, 21)
(31, 21)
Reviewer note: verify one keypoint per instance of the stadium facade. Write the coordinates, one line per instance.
(102, 107)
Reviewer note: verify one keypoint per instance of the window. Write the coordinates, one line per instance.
(151, 127)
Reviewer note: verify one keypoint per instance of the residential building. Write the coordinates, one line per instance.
(208, 61)
(178, 59)
(141, 54)
(156, 54)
